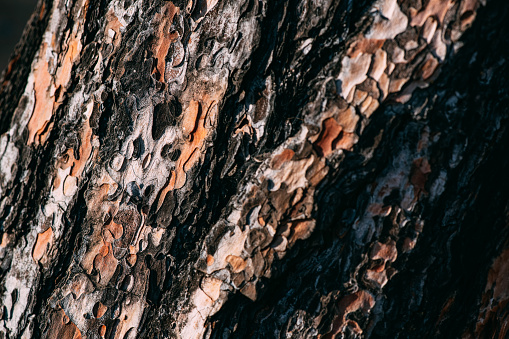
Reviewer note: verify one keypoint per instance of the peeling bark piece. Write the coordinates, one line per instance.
(131, 259)
(467, 13)
(387, 251)
(378, 64)
(408, 245)
(237, 263)
(377, 209)
(389, 22)
(365, 105)
(346, 142)
(301, 230)
(353, 72)
(428, 68)
(347, 118)
(396, 85)
(371, 108)
(117, 162)
(292, 174)
(44, 105)
(70, 185)
(434, 8)
(211, 286)
(258, 238)
(279, 160)
(44, 239)
(384, 86)
(163, 39)
(105, 263)
(102, 330)
(358, 97)
(330, 132)
(116, 229)
(314, 176)
(99, 310)
(48, 81)
(361, 300)
(429, 28)
(190, 121)
(367, 46)
(214, 234)
(62, 327)
(378, 277)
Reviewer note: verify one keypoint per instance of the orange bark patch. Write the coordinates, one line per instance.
(116, 229)
(60, 326)
(280, 159)
(85, 148)
(387, 251)
(64, 71)
(102, 330)
(99, 309)
(369, 46)
(102, 210)
(360, 300)
(237, 263)
(194, 128)
(41, 244)
(43, 109)
(45, 84)
(6, 240)
(163, 38)
(301, 229)
(77, 162)
(105, 263)
(114, 25)
(330, 132)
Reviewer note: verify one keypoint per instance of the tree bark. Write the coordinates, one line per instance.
(256, 169)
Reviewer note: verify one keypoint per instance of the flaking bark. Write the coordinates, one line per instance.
(256, 169)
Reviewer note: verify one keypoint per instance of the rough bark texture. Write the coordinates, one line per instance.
(256, 169)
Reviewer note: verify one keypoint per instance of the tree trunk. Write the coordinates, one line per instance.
(244, 168)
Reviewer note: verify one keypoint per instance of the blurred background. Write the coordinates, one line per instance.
(14, 15)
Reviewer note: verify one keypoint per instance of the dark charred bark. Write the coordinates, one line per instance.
(256, 169)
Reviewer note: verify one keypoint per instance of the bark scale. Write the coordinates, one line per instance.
(256, 169)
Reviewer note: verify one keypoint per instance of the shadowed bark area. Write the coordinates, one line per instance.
(222, 168)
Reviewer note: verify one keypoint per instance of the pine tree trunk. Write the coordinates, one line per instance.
(264, 169)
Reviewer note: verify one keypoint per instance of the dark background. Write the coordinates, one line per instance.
(14, 15)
